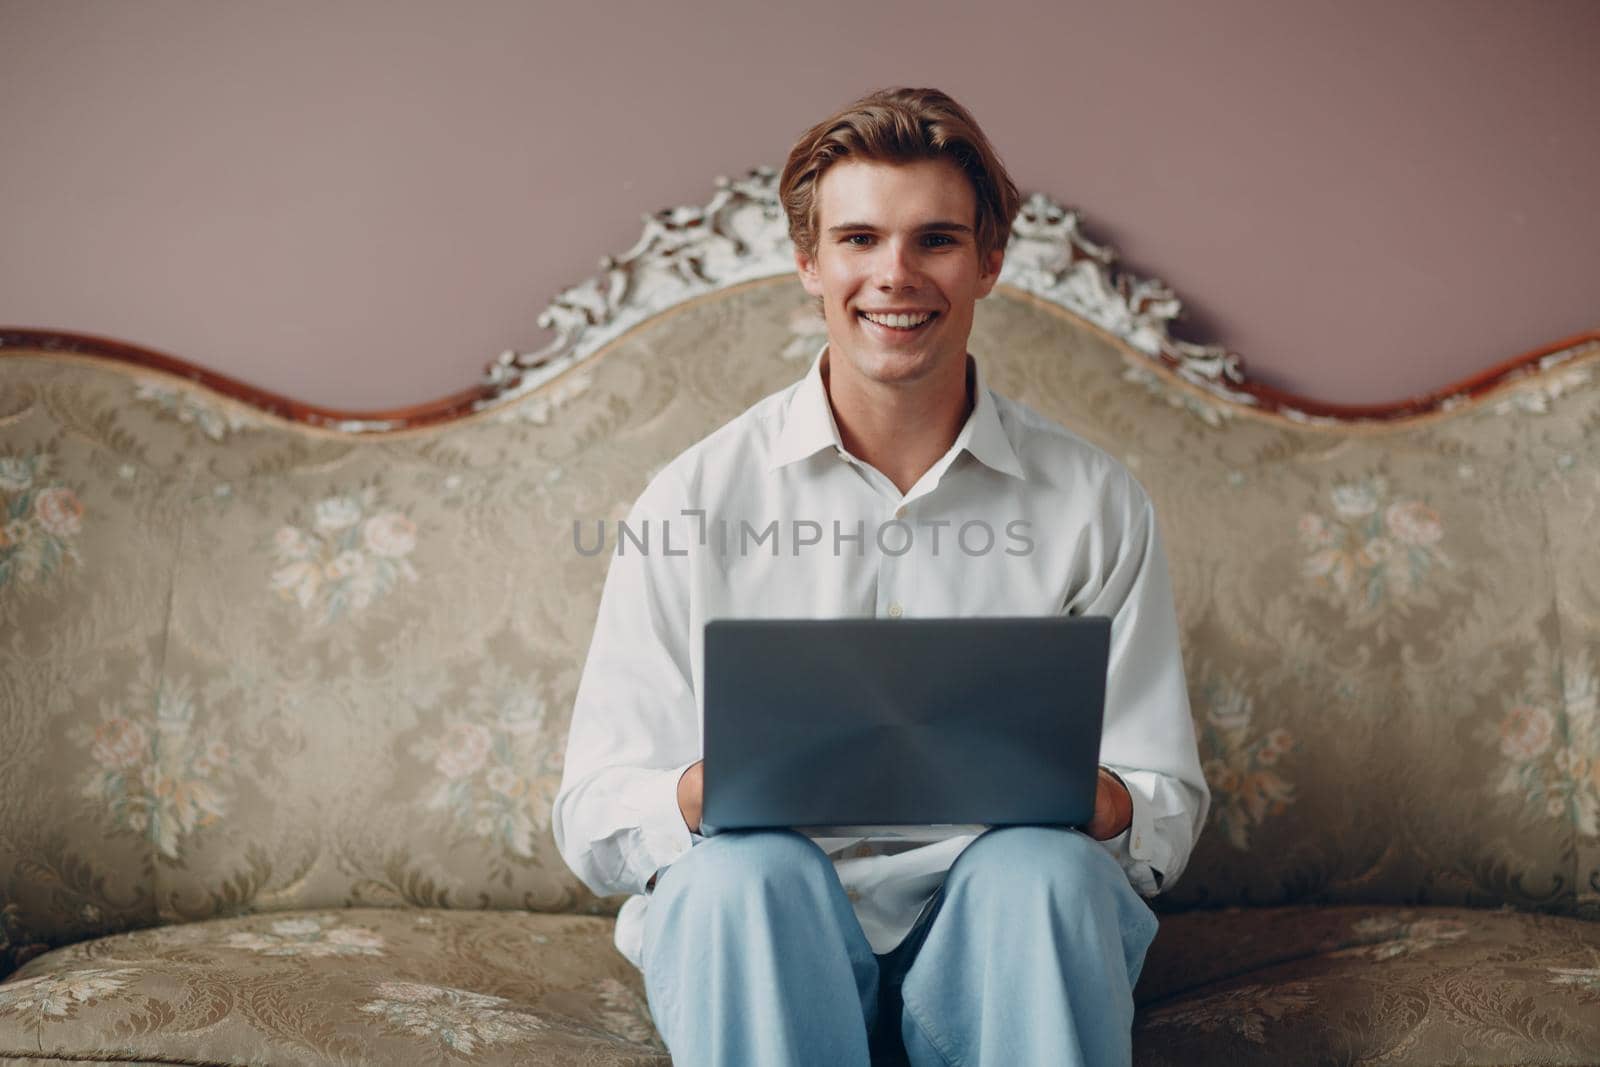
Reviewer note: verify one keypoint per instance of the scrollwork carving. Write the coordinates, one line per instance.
(741, 235)
(684, 252)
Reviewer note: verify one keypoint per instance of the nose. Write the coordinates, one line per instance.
(897, 267)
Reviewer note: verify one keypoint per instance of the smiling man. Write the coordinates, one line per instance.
(1016, 946)
(898, 268)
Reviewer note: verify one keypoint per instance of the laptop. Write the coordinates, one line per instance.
(860, 725)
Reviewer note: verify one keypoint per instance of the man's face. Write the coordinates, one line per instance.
(897, 239)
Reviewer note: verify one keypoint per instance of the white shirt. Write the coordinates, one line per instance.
(759, 520)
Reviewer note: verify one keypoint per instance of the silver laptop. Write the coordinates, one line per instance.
(873, 723)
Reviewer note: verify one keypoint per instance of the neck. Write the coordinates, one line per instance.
(901, 430)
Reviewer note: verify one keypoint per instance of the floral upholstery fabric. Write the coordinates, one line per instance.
(357, 985)
(1261, 985)
(248, 666)
(1369, 985)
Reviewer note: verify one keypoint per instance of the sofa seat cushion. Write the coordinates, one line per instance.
(1367, 985)
(381, 986)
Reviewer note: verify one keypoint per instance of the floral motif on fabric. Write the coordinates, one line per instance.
(1549, 736)
(1399, 935)
(350, 553)
(312, 936)
(52, 996)
(459, 1020)
(1246, 1010)
(156, 774)
(490, 757)
(1241, 764)
(38, 520)
(1373, 547)
(214, 419)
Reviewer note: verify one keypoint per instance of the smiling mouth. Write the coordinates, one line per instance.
(900, 323)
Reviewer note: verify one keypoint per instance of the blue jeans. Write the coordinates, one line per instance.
(1028, 955)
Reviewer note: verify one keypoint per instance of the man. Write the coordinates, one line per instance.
(1019, 946)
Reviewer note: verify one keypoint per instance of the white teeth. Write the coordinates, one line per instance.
(899, 322)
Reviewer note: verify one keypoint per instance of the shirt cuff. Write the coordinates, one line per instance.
(1138, 849)
(662, 835)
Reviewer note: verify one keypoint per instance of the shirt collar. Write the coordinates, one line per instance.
(809, 426)
(984, 435)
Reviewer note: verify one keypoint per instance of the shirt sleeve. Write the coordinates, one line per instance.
(635, 721)
(1148, 738)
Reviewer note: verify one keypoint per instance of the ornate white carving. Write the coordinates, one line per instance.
(1050, 257)
(684, 252)
(742, 235)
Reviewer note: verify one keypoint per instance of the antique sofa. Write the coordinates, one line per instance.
(283, 691)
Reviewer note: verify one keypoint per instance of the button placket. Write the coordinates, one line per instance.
(889, 586)
(898, 532)
(888, 540)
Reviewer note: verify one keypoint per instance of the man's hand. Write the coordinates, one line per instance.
(690, 786)
(1113, 807)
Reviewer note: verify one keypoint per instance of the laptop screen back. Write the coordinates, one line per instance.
(858, 722)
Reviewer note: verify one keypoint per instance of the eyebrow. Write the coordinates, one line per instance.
(941, 226)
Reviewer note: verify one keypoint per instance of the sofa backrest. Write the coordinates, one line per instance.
(246, 663)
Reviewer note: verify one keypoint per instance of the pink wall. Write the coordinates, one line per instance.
(359, 203)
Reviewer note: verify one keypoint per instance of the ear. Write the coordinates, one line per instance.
(990, 271)
(807, 266)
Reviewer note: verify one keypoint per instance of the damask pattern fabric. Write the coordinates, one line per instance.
(356, 985)
(1355, 984)
(251, 667)
(1271, 986)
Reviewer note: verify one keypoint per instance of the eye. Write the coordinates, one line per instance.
(860, 240)
(939, 240)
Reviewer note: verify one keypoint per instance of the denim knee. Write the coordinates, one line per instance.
(732, 864)
(1025, 858)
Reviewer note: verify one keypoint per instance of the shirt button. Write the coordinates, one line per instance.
(1136, 842)
(900, 512)
(895, 610)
